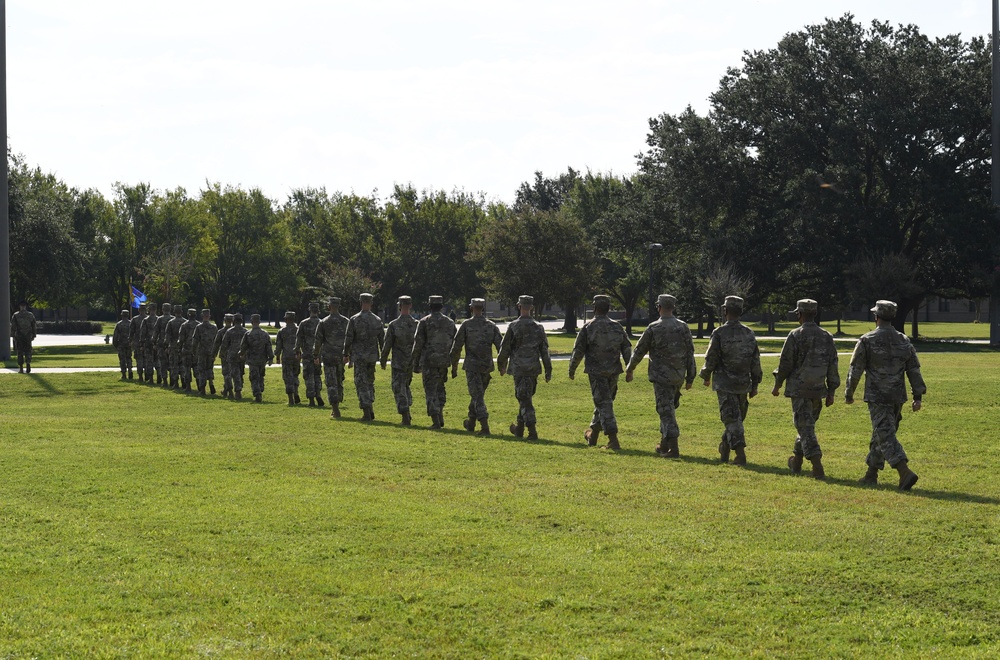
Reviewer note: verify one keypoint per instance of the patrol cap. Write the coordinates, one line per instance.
(238, 316)
(807, 305)
(334, 301)
(23, 303)
(602, 298)
(227, 317)
(314, 307)
(734, 303)
(404, 300)
(165, 308)
(477, 302)
(666, 300)
(435, 300)
(178, 309)
(255, 317)
(884, 309)
(526, 300)
(289, 314)
(124, 312)
(142, 305)
(206, 312)
(366, 298)
(192, 311)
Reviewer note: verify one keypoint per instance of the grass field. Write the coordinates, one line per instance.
(142, 522)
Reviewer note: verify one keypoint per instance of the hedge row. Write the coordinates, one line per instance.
(69, 327)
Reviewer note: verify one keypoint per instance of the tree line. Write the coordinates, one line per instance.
(846, 164)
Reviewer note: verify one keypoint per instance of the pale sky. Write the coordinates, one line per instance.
(362, 95)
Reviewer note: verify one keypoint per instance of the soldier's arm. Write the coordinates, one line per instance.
(641, 348)
(579, 350)
(349, 340)
(711, 359)
(786, 363)
(832, 369)
(756, 374)
(692, 366)
(543, 349)
(503, 353)
(270, 349)
(913, 374)
(859, 362)
(497, 338)
(457, 345)
(317, 346)
(418, 346)
(387, 347)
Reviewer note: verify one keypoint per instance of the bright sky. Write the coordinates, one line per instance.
(364, 94)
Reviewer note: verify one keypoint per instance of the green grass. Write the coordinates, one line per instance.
(142, 522)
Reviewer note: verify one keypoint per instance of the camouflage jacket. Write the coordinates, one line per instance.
(160, 329)
(255, 347)
(22, 325)
(603, 344)
(808, 363)
(399, 339)
(305, 336)
(284, 343)
(363, 341)
(186, 334)
(526, 347)
(133, 330)
(331, 333)
(217, 344)
(146, 330)
(203, 341)
(671, 352)
(478, 336)
(120, 338)
(231, 343)
(885, 354)
(433, 341)
(733, 359)
(173, 331)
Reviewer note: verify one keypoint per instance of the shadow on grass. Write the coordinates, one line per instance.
(44, 383)
(950, 346)
(61, 351)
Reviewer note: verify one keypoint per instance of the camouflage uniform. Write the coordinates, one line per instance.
(256, 350)
(603, 343)
(121, 342)
(808, 369)
(331, 333)
(477, 336)
(362, 344)
(147, 346)
(217, 350)
(174, 361)
(160, 344)
(668, 342)
(203, 349)
(23, 330)
(733, 365)
(133, 339)
(231, 343)
(399, 340)
(285, 348)
(184, 336)
(524, 350)
(432, 344)
(305, 338)
(886, 355)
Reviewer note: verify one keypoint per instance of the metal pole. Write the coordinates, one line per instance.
(652, 247)
(995, 168)
(4, 198)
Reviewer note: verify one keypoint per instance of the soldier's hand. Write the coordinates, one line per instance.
(629, 376)
(776, 391)
(753, 393)
(503, 371)
(916, 406)
(278, 359)
(316, 361)
(572, 376)
(416, 369)
(454, 372)
(548, 377)
(829, 400)
(383, 366)
(708, 382)
(687, 386)
(347, 360)
(848, 400)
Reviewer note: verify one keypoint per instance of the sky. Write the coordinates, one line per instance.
(363, 95)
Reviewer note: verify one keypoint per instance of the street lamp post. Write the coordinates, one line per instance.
(655, 247)
(995, 167)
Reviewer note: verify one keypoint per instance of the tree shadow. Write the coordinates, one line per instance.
(44, 383)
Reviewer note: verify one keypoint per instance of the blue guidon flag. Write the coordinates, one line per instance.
(137, 297)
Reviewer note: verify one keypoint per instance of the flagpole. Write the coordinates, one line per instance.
(4, 199)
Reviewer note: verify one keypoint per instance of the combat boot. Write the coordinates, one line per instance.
(435, 424)
(201, 390)
(123, 375)
(258, 398)
(591, 435)
(724, 450)
(211, 386)
(20, 368)
(366, 414)
(532, 433)
(612, 442)
(818, 472)
(517, 430)
(28, 368)
(297, 399)
(870, 478)
(291, 400)
(484, 425)
(672, 450)
(741, 456)
(130, 374)
(795, 463)
(440, 420)
(907, 477)
(239, 395)
(312, 402)
(319, 401)
(335, 412)
(406, 418)
(662, 448)
(469, 424)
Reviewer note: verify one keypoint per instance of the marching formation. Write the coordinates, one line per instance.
(181, 350)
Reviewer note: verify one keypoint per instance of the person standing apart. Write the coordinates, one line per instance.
(121, 342)
(23, 331)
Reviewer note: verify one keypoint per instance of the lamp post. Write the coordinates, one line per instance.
(995, 169)
(4, 214)
(651, 248)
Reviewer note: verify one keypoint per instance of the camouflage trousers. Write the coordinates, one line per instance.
(312, 374)
(257, 377)
(236, 370)
(163, 362)
(805, 412)
(668, 397)
(138, 359)
(364, 383)
(401, 379)
(176, 364)
(434, 379)
(478, 382)
(125, 359)
(732, 411)
(524, 390)
(290, 369)
(148, 361)
(23, 347)
(884, 445)
(227, 375)
(334, 369)
(604, 389)
(204, 368)
(187, 367)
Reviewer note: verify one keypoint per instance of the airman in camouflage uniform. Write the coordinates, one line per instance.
(23, 331)
(603, 343)
(184, 336)
(523, 351)
(331, 333)
(305, 339)
(173, 347)
(146, 344)
(120, 341)
(478, 336)
(217, 350)
(133, 339)
(203, 349)
(231, 343)
(399, 340)
(733, 358)
(288, 357)
(256, 351)
(886, 354)
(808, 368)
(432, 355)
(362, 344)
(160, 343)
(671, 365)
